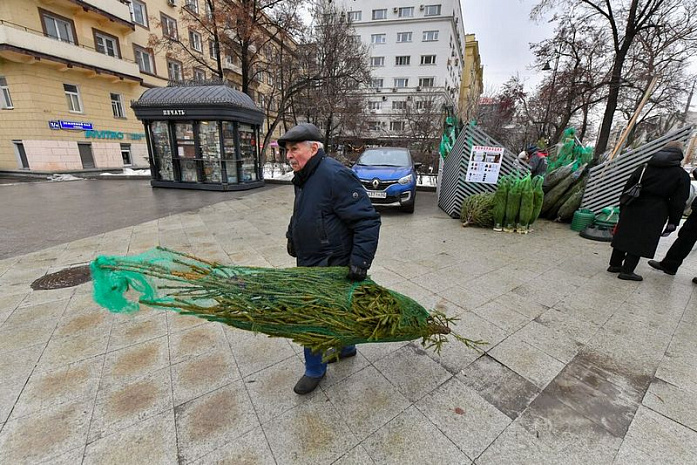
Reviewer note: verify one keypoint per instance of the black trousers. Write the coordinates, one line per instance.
(627, 261)
(687, 236)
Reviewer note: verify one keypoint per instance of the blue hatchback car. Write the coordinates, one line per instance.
(389, 177)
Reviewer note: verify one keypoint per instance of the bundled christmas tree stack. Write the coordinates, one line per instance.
(315, 307)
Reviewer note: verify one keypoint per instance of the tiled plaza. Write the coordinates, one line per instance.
(580, 367)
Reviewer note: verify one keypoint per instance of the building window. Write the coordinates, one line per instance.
(404, 37)
(174, 70)
(373, 125)
(139, 12)
(213, 49)
(106, 44)
(58, 27)
(424, 105)
(192, 5)
(374, 105)
(401, 82)
(117, 106)
(402, 60)
(426, 82)
(380, 14)
(5, 99)
(144, 58)
(432, 10)
(199, 75)
(428, 59)
(72, 94)
(126, 154)
(169, 27)
(354, 16)
(430, 36)
(399, 104)
(396, 125)
(378, 38)
(376, 83)
(406, 12)
(377, 61)
(195, 41)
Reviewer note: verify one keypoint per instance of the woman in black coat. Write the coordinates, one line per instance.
(665, 188)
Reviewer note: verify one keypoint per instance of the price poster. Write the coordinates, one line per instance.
(484, 164)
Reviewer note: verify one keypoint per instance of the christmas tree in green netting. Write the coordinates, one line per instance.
(315, 307)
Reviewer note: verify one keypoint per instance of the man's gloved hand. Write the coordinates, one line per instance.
(669, 229)
(291, 249)
(356, 273)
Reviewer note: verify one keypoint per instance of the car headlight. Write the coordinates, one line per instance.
(406, 179)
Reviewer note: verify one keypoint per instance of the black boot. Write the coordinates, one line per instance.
(658, 266)
(630, 277)
(306, 385)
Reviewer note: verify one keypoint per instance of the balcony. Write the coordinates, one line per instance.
(113, 10)
(22, 45)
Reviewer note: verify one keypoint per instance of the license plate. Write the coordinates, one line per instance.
(376, 194)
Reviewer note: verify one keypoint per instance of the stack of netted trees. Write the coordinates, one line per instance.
(513, 207)
(563, 189)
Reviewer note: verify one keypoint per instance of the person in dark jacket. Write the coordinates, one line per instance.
(687, 236)
(333, 223)
(537, 161)
(664, 191)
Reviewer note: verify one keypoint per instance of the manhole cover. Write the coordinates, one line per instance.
(64, 278)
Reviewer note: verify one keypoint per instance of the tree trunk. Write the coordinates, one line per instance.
(612, 98)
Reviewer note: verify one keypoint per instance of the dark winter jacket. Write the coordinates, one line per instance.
(333, 222)
(538, 163)
(665, 188)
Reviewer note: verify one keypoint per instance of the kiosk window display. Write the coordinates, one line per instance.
(201, 137)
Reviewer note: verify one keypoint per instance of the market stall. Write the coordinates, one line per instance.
(201, 137)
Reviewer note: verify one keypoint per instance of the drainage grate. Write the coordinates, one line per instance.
(64, 278)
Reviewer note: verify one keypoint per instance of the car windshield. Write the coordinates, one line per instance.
(385, 157)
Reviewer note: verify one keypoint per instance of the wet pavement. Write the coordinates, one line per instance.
(580, 367)
(37, 215)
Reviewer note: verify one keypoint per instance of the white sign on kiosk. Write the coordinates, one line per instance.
(484, 164)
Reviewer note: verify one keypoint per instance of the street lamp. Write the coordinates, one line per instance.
(551, 89)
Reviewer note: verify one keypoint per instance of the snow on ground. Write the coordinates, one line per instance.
(63, 177)
(283, 172)
(129, 172)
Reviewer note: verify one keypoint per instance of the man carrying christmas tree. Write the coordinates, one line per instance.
(333, 224)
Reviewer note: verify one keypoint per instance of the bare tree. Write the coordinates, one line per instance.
(625, 20)
(333, 52)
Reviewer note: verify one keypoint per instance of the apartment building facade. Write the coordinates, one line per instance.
(70, 68)
(416, 60)
(472, 80)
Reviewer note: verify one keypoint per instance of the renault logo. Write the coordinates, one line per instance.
(375, 183)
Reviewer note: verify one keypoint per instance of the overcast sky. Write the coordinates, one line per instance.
(504, 32)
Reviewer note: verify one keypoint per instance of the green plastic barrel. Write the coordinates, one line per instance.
(582, 218)
(608, 217)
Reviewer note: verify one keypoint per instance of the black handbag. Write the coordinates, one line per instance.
(633, 192)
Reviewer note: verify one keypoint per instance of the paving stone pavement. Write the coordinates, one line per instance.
(580, 368)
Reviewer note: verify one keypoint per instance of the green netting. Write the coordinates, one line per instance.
(316, 307)
(570, 152)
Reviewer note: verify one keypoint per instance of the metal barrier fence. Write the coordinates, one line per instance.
(606, 180)
(452, 187)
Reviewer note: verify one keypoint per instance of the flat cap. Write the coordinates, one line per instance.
(300, 133)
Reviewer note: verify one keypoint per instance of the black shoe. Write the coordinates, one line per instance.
(614, 269)
(657, 265)
(630, 277)
(334, 358)
(306, 385)
(694, 280)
